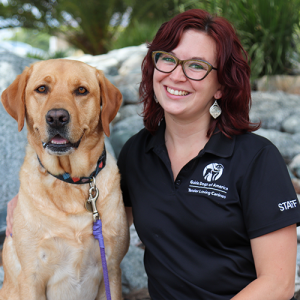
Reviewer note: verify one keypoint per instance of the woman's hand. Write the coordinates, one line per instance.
(129, 215)
(11, 205)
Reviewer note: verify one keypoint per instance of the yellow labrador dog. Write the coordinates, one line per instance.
(52, 254)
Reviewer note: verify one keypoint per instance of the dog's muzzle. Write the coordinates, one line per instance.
(59, 144)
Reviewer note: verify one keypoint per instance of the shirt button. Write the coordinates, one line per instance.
(178, 182)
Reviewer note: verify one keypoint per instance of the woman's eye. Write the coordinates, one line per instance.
(168, 59)
(196, 66)
(82, 91)
(41, 89)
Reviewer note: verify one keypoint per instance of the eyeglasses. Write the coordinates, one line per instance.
(194, 69)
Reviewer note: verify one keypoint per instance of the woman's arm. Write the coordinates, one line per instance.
(275, 261)
(129, 215)
(11, 205)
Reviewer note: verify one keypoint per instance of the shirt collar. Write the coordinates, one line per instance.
(218, 144)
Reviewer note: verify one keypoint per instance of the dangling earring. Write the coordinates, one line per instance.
(215, 110)
(155, 99)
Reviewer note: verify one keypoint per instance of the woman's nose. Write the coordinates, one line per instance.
(177, 74)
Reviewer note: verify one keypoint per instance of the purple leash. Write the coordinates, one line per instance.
(97, 232)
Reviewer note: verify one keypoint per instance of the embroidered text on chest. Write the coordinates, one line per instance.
(209, 189)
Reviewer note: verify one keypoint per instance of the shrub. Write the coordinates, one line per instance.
(266, 29)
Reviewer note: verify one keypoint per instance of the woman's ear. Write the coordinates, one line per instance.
(219, 93)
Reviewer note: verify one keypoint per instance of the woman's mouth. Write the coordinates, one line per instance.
(177, 92)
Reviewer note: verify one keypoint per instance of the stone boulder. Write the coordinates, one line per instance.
(286, 83)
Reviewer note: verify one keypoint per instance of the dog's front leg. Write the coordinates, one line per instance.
(115, 285)
(31, 287)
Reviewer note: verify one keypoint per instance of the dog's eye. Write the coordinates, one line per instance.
(41, 89)
(82, 91)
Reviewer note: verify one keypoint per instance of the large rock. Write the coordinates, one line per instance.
(133, 271)
(130, 93)
(123, 130)
(12, 142)
(11, 65)
(12, 152)
(292, 124)
(127, 111)
(295, 166)
(283, 141)
(286, 83)
(132, 64)
(111, 62)
(1, 276)
(272, 109)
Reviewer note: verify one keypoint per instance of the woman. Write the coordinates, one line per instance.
(212, 202)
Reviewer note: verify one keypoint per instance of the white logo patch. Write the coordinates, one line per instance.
(213, 172)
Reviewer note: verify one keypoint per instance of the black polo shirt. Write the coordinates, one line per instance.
(197, 229)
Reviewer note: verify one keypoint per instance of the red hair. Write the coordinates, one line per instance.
(232, 64)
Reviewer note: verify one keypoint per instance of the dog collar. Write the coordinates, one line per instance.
(81, 180)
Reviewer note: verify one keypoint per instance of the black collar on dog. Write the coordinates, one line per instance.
(81, 180)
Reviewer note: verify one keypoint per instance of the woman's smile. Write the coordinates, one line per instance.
(177, 92)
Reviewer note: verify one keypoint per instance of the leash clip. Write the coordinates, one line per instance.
(91, 202)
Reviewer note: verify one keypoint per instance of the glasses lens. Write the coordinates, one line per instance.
(164, 62)
(196, 69)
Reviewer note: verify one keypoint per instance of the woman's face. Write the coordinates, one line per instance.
(184, 98)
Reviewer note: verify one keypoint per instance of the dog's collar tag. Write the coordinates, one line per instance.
(90, 204)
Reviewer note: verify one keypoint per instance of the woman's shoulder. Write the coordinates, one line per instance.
(254, 140)
(253, 145)
(136, 142)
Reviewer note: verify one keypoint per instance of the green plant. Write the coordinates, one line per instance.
(265, 27)
(137, 34)
(57, 54)
(84, 24)
(32, 37)
(145, 19)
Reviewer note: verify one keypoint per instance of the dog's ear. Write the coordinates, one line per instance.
(13, 98)
(111, 99)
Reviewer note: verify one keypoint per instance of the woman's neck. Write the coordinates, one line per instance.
(182, 132)
(184, 140)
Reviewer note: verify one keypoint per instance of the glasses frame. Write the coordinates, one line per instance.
(182, 62)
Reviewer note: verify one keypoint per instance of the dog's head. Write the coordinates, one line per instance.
(64, 102)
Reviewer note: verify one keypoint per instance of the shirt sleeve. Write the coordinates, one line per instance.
(268, 198)
(122, 164)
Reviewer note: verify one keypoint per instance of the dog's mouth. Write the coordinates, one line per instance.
(58, 145)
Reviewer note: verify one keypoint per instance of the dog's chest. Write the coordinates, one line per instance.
(76, 270)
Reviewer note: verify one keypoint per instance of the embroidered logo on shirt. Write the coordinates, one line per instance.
(213, 172)
(287, 205)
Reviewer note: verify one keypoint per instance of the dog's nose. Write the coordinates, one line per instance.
(57, 118)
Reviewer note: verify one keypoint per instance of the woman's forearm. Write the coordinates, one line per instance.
(267, 288)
